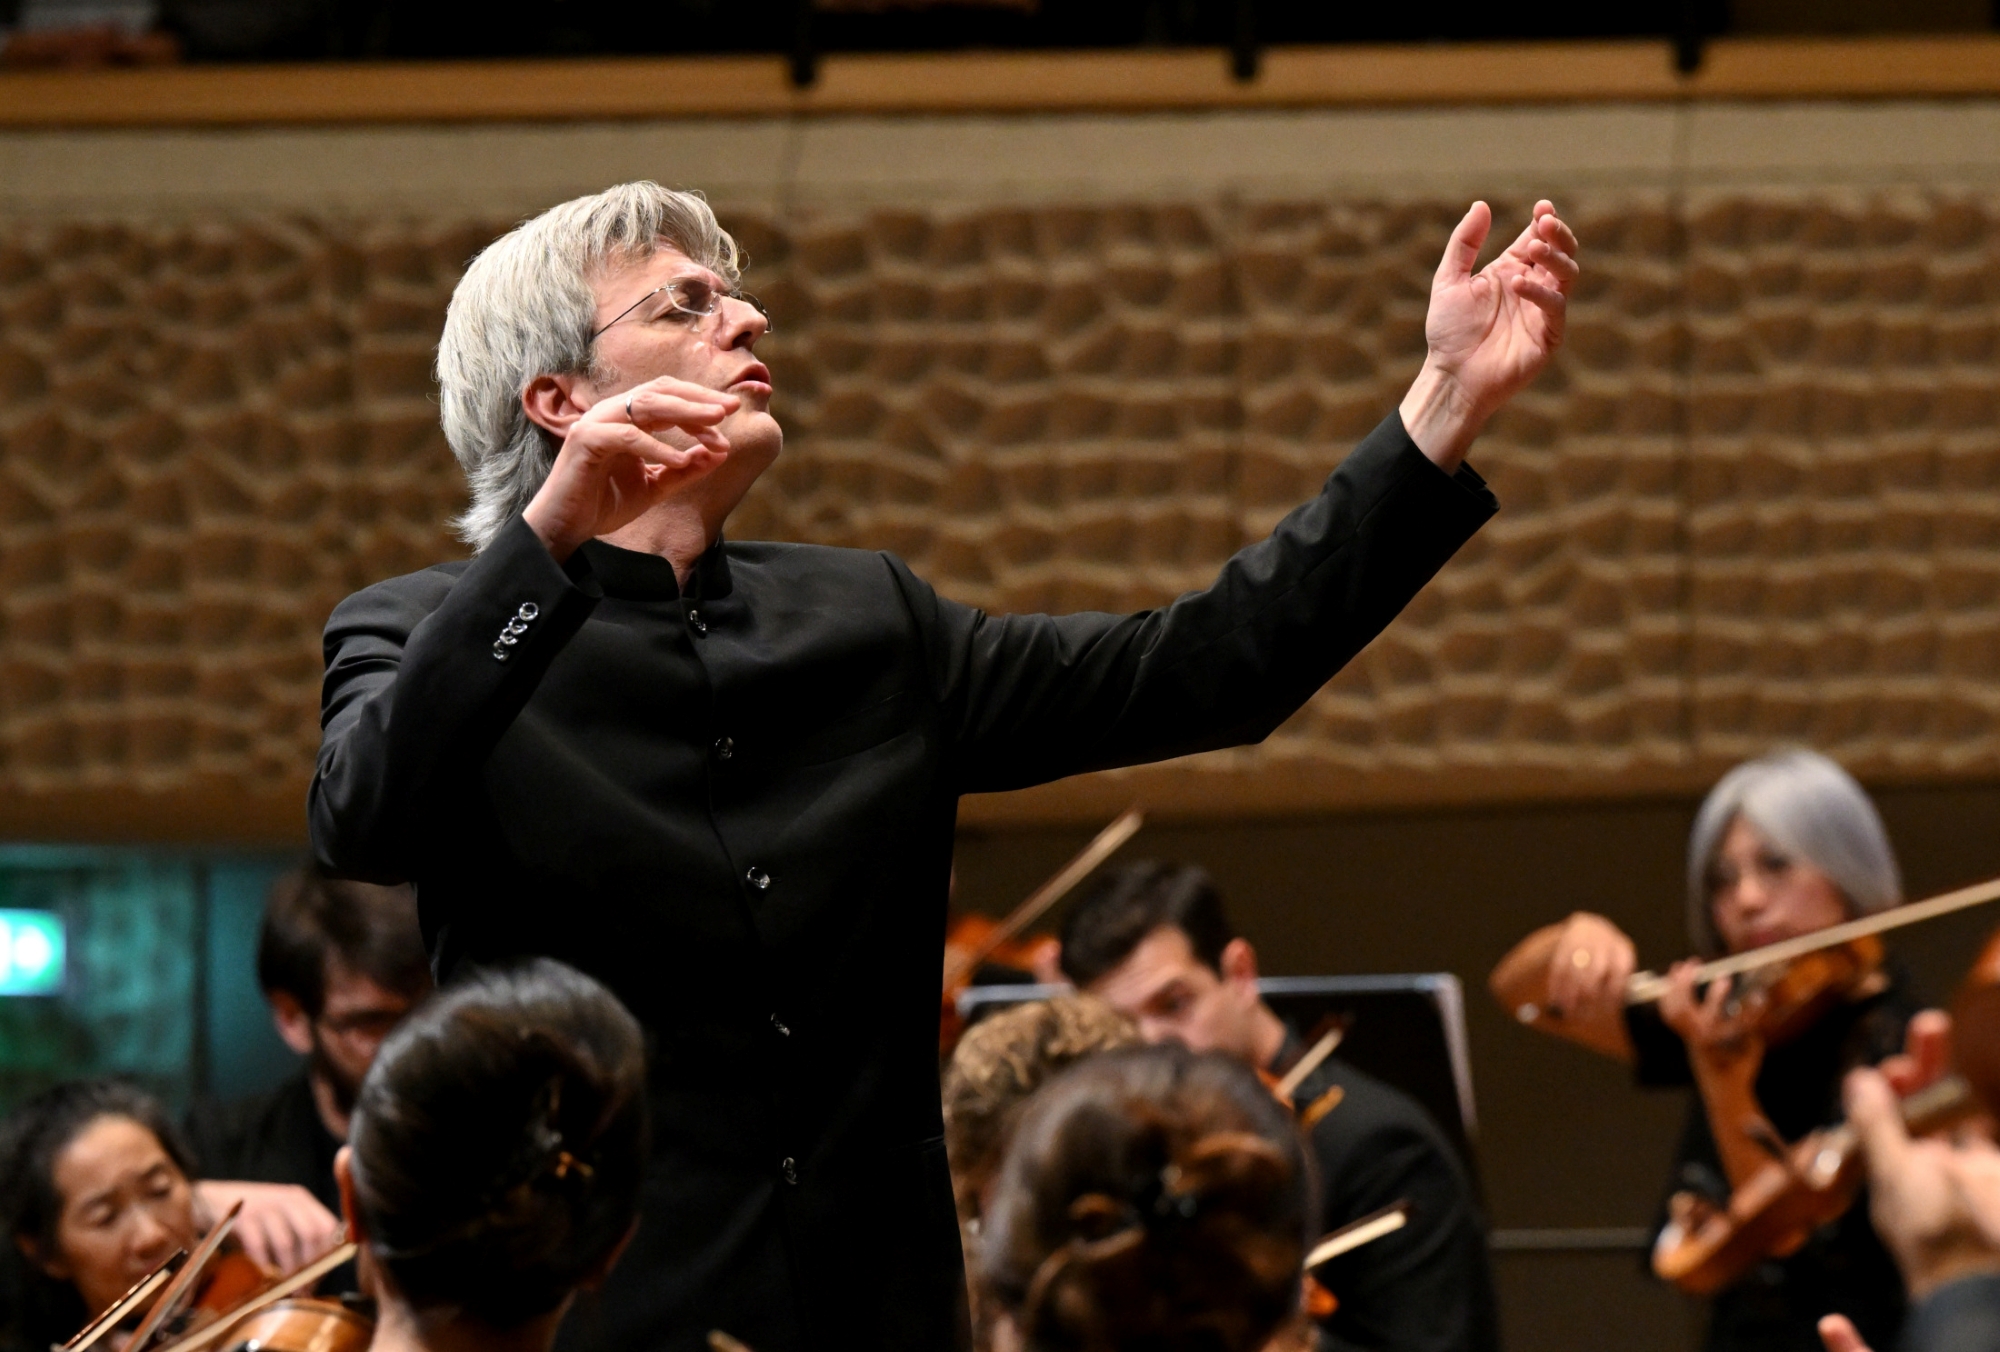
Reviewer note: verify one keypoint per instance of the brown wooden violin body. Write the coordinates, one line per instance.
(303, 1325)
(973, 942)
(1975, 1021)
(1705, 1247)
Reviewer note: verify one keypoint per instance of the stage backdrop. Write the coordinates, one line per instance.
(1057, 362)
(1066, 361)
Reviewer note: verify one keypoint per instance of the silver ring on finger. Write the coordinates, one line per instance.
(628, 409)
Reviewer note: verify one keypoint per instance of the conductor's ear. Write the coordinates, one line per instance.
(554, 403)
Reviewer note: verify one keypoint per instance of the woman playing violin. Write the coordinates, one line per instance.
(493, 1164)
(1783, 846)
(96, 1191)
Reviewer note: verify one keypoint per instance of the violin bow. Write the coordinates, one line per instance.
(1354, 1234)
(303, 1280)
(87, 1336)
(1310, 1062)
(1645, 987)
(176, 1295)
(1106, 844)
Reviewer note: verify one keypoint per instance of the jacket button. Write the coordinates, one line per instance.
(758, 879)
(696, 622)
(779, 1024)
(725, 747)
(791, 1168)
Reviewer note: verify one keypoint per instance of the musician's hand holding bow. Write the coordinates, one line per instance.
(1725, 1050)
(1589, 967)
(1489, 332)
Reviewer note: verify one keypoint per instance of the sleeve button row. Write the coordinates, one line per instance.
(511, 634)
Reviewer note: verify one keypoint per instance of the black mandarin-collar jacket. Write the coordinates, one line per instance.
(735, 807)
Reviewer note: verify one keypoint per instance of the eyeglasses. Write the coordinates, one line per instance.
(685, 300)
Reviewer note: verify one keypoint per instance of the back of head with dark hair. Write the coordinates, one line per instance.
(32, 1140)
(499, 1139)
(1128, 903)
(310, 918)
(1151, 1198)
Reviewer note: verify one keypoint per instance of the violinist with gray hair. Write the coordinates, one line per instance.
(1784, 846)
(722, 777)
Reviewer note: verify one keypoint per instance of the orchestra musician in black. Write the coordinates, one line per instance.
(723, 777)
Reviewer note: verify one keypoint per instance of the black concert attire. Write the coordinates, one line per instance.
(1843, 1269)
(735, 805)
(276, 1137)
(1429, 1286)
(1960, 1316)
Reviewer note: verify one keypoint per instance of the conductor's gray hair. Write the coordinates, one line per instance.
(1808, 807)
(525, 308)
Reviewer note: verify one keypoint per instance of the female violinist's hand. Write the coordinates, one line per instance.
(1935, 1203)
(1720, 1040)
(1592, 962)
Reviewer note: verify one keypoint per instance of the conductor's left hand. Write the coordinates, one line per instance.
(1489, 332)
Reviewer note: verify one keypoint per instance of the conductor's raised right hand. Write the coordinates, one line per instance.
(627, 453)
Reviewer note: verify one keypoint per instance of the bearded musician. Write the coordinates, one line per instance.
(1783, 846)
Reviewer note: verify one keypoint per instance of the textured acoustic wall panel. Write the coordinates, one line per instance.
(1758, 500)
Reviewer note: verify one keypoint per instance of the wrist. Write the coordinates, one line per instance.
(550, 532)
(1441, 417)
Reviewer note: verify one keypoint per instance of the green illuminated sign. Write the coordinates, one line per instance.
(31, 952)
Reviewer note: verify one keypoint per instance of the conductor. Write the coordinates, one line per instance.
(722, 777)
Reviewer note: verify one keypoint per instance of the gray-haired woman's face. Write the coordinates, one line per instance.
(1759, 894)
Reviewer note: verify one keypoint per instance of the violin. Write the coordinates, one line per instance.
(282, 1308)
(975, 939)
(193, 1300)
(1706, 1247)
(1975, 1023)
(305, 1325)
(1800, 978)
(972, 942)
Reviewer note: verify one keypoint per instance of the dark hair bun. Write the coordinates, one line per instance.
(499, 1140)
(1152, 1199)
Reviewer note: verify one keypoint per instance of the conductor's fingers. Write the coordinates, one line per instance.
(636, 441)
(1462, 251)
(652, 408)
(1545, 298)
(1554, 261)
(1553, 230)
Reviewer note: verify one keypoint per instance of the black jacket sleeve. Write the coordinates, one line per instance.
(1030, 698)
(423, 676)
